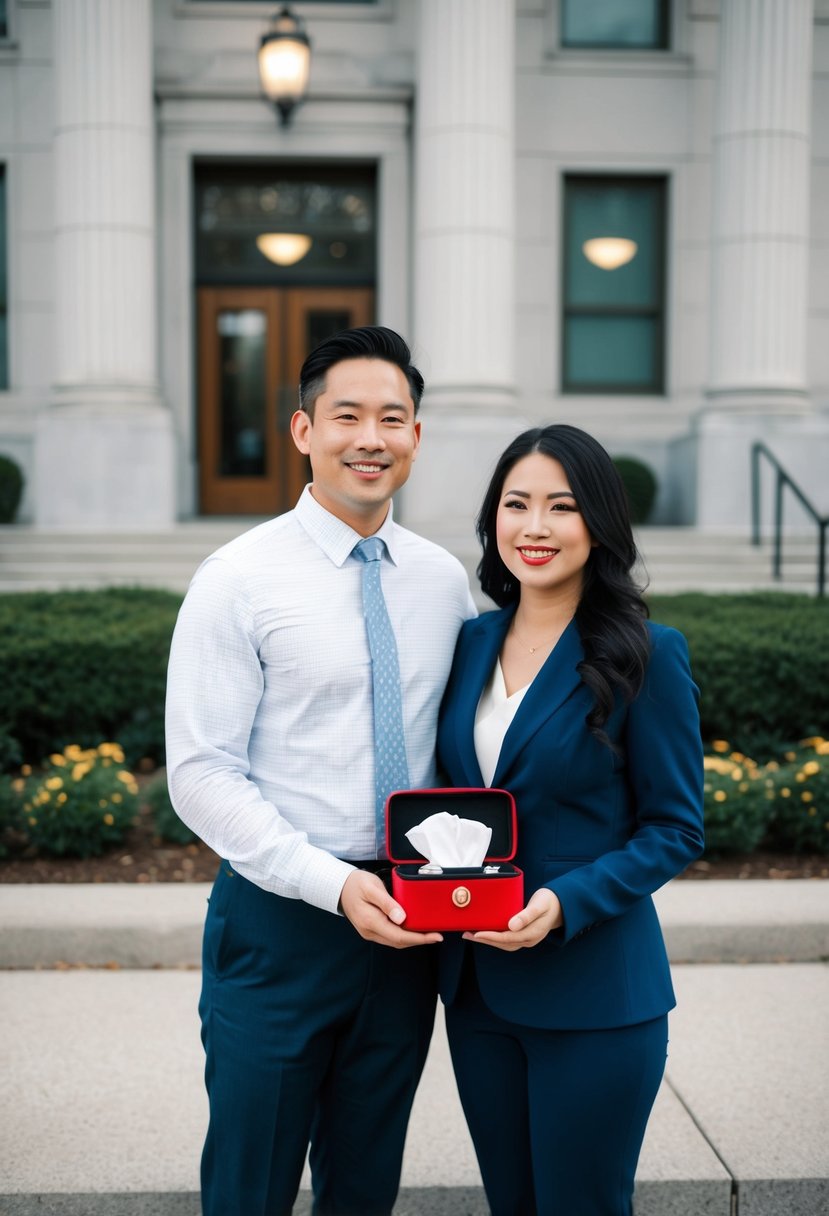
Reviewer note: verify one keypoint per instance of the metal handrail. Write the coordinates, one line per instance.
(783, 480)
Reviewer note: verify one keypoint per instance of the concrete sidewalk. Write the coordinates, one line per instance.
(103, 1109)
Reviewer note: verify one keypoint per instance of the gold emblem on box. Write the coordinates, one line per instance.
(461, 897)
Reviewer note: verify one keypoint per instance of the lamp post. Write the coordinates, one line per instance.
(284, 59)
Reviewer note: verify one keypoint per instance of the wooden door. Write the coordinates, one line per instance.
(252, 344)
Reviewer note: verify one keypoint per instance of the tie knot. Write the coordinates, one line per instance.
(370, 549)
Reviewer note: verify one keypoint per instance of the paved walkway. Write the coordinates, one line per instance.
(103, 1110)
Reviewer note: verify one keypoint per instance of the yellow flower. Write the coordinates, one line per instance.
(126, 777)
(117, 798)
(814, 741)
(737, 774)
(80, 770)
(785, 792)
(801, 776)
(61, 798)
(807, 796)
(54, 783)
(112, 751)
(132, 789)
(720, 796)
(718, 765)
(720, 745)
(102, 802)
(791, 755)
(26, 770)
(32, 821)
(58, 760)
(772, 766)
(811, 767)
(109, 819)
(72, 752)
(18, 785)
(743, 786)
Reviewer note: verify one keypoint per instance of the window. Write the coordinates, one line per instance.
(615, 24)
(4, 346)
(4, 19)
(286, 225)
(613, 314)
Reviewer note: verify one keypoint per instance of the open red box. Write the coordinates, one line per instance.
(458, 899)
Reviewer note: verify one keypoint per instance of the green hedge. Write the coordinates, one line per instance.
(81, 666)
(762, 664)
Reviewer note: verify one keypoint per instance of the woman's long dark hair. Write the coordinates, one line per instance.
(611, 616)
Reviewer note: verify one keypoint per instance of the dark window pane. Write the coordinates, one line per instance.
(630, 211)
(614, 253)
(246, 218)
(322, 324)
(242, 338)
(612, 352)
(4, 19)
(614, 23)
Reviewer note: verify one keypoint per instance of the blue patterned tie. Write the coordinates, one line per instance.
(391, 771)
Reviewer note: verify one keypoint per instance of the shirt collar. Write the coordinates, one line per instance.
(333, 536)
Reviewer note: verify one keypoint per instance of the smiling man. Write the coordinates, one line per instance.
(316, 1014)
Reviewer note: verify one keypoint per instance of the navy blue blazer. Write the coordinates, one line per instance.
(602, 830)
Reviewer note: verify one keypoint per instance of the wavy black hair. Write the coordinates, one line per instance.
(363, 342)
(611, 615)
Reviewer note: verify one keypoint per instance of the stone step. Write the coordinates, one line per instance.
(674, 559)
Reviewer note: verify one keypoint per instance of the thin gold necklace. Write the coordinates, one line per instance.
(533, 649)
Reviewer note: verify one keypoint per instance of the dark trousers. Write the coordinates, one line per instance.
(311, 1034)
(557, 1117)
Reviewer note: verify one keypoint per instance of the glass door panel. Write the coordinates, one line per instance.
(252, 344)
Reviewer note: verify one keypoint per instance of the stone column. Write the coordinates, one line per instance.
(464, 262)
(757, 386)
(105, 444)
(761, 205)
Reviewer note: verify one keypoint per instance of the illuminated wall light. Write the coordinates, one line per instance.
(609, 252)
(283, 248)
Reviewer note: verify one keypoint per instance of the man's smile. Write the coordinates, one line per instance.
(368, 468)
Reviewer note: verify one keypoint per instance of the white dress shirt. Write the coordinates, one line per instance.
(270, 747)
(493, 719)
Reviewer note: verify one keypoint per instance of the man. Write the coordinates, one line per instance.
(317, 1003)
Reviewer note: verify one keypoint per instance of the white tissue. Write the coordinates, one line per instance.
(447, 840)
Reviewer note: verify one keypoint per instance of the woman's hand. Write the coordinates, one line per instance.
(528, 927)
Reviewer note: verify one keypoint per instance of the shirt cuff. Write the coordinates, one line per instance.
(323, 881)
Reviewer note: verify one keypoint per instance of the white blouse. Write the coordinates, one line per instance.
(492, 721)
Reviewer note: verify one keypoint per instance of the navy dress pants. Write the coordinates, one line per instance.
(310, 1034)
(557, 1117)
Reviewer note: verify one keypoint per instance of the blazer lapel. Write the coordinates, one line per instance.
(556, 681)
(485, 642)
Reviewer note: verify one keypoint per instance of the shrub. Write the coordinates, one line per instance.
(11, 488)
(79, 666)
(80, 801)
(640, 484)
(737, 807)
(761, 662)
(11, 811)
(165, 820)
(800, 791)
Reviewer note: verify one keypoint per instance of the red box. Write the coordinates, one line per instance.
(459, 899)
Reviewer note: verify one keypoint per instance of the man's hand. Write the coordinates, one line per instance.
(375, 915)
(528, 927)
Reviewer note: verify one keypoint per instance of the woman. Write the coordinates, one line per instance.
(568, 697)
